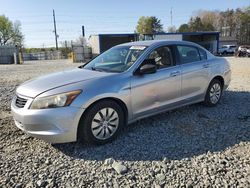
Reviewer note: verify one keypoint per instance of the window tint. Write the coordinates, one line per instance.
(203, 54)
(162, 56)
(188, 54)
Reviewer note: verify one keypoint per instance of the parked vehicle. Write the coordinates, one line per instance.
(248, 52)
(243, 51)
(227, 49)
(126, 83)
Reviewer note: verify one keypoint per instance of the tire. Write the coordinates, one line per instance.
(101, 123)
(224, 53)
(213, 94)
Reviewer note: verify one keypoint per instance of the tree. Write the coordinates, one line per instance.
(195, 24)
(210, 19)
(10, 33)
(17, 38)
(184, 28)
(149, 25)
(156, 24)
(230, 23)
(171, 29)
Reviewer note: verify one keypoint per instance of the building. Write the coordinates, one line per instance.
(102, 42)
(228, 41)
(209, 40)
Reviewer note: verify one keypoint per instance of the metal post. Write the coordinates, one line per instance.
(171, 15)
(83, 32)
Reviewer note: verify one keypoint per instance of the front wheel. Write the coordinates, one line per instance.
(214, 93)
(101, 122)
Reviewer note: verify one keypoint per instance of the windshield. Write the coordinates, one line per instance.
(116, 59)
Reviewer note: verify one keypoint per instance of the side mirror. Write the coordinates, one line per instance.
(148, 67)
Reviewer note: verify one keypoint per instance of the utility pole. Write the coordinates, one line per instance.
(83, 32)
(54, 17)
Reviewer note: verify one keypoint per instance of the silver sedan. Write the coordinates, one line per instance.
(126, 83)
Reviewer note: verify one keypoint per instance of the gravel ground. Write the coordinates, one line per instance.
(194, 146)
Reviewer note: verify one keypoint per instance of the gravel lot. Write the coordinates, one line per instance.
(194, 146)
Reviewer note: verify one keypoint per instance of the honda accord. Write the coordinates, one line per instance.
(93, 102)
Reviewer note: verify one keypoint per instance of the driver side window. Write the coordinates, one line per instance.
(162, 56)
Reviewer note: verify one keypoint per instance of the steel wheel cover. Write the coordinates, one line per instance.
(105, 123)
(215, 93)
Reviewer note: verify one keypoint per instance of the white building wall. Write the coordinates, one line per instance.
(175, 37)
(94, 43)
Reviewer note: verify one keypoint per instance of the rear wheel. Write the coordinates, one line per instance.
(101, 122)
(213, 94)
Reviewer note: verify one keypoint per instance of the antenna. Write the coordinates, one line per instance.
(171, 15)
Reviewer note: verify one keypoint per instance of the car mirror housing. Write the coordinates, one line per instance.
(148, 67)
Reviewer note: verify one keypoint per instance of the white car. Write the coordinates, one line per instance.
(227, 49)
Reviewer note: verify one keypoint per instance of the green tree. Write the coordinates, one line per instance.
(195, 24)
(10, 32)
(149, 25)
(184, 28)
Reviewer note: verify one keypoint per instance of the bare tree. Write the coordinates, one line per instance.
(10, 33)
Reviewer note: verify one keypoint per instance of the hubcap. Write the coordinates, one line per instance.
(105, 123)
(215, 93)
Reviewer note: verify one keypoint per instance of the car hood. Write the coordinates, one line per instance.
(34, 87)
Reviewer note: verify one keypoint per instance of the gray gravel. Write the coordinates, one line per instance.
(194, 146)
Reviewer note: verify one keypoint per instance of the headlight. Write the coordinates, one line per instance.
(55, 101)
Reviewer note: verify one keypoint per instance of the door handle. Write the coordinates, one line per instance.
(205, 65)
(175, 73)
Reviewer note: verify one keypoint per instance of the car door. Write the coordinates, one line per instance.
(194, 71)
(153, 92)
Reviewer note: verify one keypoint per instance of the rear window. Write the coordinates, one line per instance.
(203, 54)
(188, 54)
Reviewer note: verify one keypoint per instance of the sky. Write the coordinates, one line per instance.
(99, 16)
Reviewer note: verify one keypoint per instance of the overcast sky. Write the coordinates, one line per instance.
(99, 16)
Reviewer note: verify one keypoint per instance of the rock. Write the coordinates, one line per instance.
(185, 147)
(29, 185)
(201, 115)
(189, 184)
(47, 162)
(157, 186)
(160, 177)
(19, 185)
(109, 161)
(119, 167)
(41, 183)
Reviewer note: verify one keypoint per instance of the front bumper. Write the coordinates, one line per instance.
(56, 125)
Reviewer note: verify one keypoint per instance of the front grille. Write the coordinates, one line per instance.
(20, 102)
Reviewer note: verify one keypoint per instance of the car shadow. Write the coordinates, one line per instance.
(182, 133)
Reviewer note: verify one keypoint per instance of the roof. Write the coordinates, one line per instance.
(190, 33)
(116, 34)
(156, 42)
